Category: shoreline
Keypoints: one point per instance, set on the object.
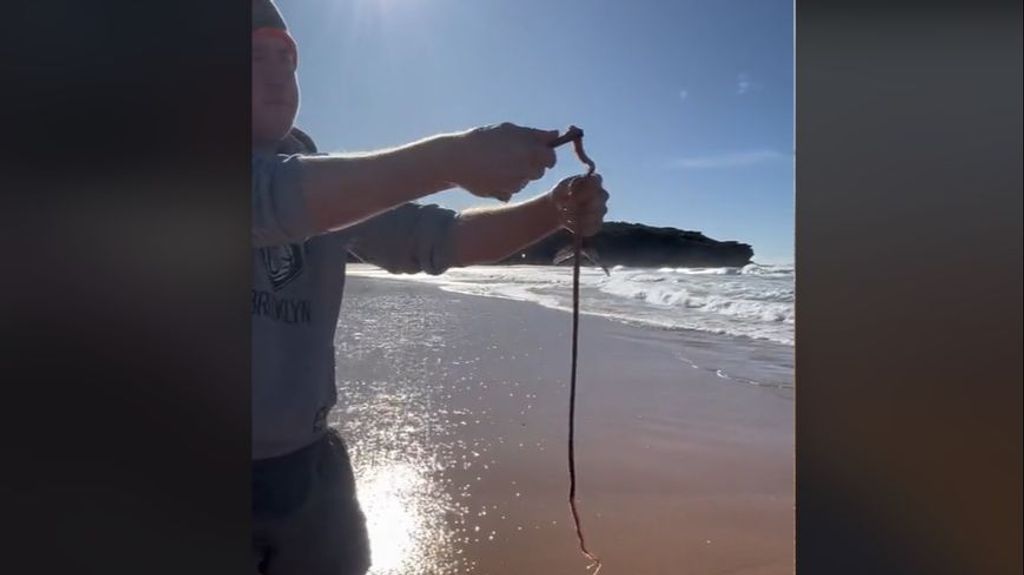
(729, 305)
(780, 353)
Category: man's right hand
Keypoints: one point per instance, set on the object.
(498, 161)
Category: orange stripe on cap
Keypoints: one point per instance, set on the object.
(279, 33)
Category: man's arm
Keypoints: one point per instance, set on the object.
(301, 196)
(489, 235)
(344, 190)
(409, 239)
(416, 238)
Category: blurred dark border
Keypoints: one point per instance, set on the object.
(125, 350)
(125, 287)
(908, 249)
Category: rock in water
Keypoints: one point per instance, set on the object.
(639, 245)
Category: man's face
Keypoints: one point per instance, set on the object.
(275, 90)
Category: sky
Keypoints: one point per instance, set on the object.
(686, 105)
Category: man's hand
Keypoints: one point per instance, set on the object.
(498, 161)
(581, 203)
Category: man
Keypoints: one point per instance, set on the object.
(308, 211)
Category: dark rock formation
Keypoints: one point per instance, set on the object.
(638, 245)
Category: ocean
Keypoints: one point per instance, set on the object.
(755, 301)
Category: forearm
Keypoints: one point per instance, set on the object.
(342, 190)
(488, 235)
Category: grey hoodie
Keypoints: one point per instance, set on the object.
(297, 282)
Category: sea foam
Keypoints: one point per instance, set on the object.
(754, 301)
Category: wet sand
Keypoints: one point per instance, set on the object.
(455, 409)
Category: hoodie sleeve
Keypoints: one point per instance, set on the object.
(411, 238)
(279, 211)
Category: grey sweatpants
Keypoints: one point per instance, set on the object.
(306, 518)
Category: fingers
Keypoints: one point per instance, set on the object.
(535, 135)
(582, 204)
(506, 157)
(587, 225)
(544, 157)
(540, 156)
(505, 193)
(586, 186)
(590, 220)
(581, 187)
(543, 136)
(562, 191)
(593, 181)
(591, 205)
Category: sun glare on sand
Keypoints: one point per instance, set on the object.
(405, 520)
(388, 498)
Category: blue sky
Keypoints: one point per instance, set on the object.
(687, 105)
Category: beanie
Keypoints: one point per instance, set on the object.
(266, 15)
(267, 19)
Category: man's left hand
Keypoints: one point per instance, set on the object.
(582, 203)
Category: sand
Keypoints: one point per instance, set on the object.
(455, 409)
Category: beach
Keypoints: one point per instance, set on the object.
(455, 410)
